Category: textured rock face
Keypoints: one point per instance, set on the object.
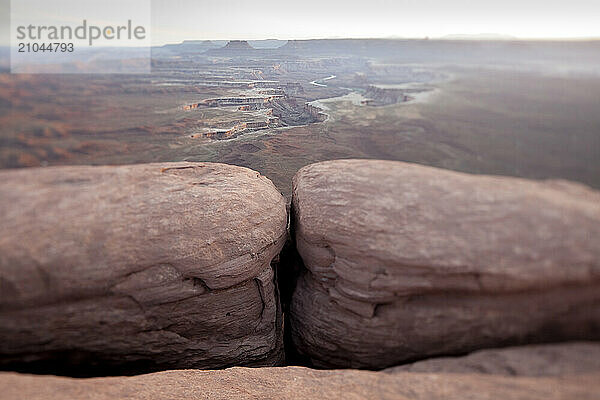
(298, 383)
(139, 267)
(405, 261)
(534, 360)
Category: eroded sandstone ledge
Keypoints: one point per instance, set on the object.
(557, 359)
(139, 268)
(299, 383)
(405, 262)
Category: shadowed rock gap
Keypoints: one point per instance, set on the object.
(288, 269)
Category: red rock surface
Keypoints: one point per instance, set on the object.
(534, 360)
(405, 261)
(298, 383)
(139, 268)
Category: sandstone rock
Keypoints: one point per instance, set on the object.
(533, 360)
(139, 268)
(405, 261)
(298, 383)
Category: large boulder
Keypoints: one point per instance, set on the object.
(138, 268)
(299, 383)
(558, 359)
(404, 261)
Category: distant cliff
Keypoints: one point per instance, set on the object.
(233, 47)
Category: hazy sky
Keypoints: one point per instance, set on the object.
(176, 20)
(241, 19)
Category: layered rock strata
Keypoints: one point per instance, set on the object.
(139, 268)
(403, 262)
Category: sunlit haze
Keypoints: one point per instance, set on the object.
(175, 21)
(185, 19)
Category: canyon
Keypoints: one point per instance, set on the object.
(362, 112)
(189, 224)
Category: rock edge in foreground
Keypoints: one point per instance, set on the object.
(139, 268)
(405, 262)
(289, 383)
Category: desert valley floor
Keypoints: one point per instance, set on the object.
(525, 109)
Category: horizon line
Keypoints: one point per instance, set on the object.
(450, 37)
